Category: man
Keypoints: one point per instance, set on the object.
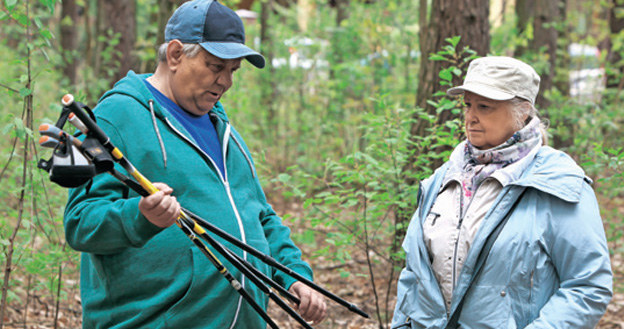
(139, 272)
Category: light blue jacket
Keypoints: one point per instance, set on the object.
(549, 267)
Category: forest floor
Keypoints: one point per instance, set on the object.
(355, 288)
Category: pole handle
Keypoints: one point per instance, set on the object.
(47, 141)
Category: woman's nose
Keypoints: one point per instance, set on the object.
(469, 115)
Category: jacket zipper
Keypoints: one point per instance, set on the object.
(253, 172)
(531, 287)
(226, 184)
(462, 214)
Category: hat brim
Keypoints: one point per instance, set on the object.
(481, 90)
(230, 50)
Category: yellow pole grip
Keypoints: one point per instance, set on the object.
(144, 182)
(117, 153)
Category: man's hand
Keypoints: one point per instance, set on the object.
(160, 208)
(312, 305)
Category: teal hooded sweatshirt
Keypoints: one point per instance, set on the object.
(137, 275)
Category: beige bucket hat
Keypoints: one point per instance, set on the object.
(499, 78)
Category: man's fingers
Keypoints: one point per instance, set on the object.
(304, 302)
(164, 188)
(316, 310)
(174, 209)
(160, 208)
(150, 202)
(321, 309)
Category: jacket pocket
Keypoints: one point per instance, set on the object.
(488, 307)
(185, 298)
(421, 307)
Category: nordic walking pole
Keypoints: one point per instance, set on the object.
(272, 262)
(230, 256)
(268, 280)
(93, 128)
(82, 128)
(96, 131)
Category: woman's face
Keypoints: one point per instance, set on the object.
(488, 122)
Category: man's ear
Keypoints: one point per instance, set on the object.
(174, 54)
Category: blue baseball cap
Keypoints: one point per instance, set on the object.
(215, 27)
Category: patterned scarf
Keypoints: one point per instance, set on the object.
(480, 164)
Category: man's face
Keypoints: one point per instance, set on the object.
(199, 82)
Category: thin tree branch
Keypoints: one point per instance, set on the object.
(9, 88)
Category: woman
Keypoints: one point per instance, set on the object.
(508, 232)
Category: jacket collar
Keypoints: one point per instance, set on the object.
(555, 173)
(550, 171)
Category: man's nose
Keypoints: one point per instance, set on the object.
(224, 79)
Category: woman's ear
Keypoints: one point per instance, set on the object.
(174, 54)
(526, 111)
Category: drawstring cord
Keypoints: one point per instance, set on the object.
(162, 144)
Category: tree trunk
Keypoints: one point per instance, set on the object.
(165, 10)
(545, 40)
(245, 4)
(616, 24)
(525, 10)
(341, 14)
(269, 86)
(69, 39)
(120, 17)
(562, 79)
(448, 18)
(89, 28)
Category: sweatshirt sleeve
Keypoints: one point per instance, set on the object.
(102, 220)
(578, 249)
(283, 249)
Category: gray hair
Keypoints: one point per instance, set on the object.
(520, 107)
(189, 49)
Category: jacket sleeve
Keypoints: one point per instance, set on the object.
(283, 249)
(577, 246)
(407, 279)
(102, 220)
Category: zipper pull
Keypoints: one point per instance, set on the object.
(435, 217)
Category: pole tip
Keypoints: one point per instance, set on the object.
(358, 311)
(67, 100)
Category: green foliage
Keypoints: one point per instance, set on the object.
(366, 197)
(328, 122)
(31, 238)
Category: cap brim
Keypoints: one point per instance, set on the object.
(230, 50)
(481, 90)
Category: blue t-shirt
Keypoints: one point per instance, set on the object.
(200, 127)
